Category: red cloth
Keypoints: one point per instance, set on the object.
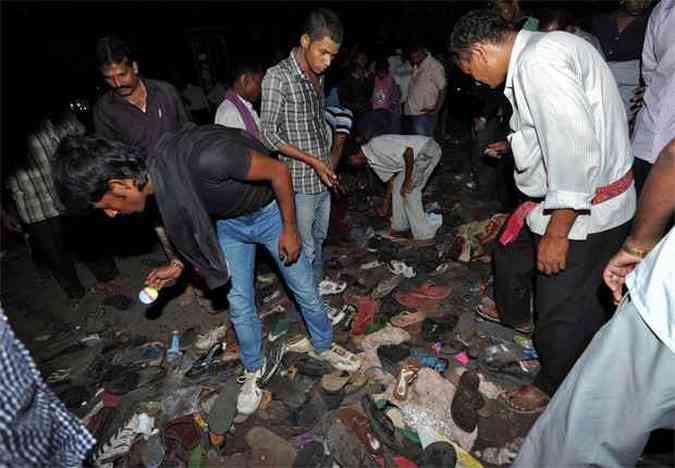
(516, 221)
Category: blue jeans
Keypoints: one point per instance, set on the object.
(313, 217)
(238, 238)
(420, 124)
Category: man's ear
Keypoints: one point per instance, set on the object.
(134, 66)
(305, 41)
(479, 52)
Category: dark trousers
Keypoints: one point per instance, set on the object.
(641, 169)
(51, 238)
(570, 306)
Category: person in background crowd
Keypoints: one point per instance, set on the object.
(136, 110)
(401, 70)
(197, 176)
(356, 89)
(512, 13)
(561, 19)
(386, 93)
(626, 373)
(621, 34)
(655, 122)
(570, 145)
(426, 92)
(44, 218)
(293, 122)
(237, 110)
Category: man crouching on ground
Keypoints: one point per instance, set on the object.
(199, 175)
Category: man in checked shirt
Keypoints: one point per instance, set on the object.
(293, 122)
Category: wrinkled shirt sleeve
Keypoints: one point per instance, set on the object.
(561, 115)
(271, 109)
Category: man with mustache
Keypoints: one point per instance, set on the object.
(136, 110)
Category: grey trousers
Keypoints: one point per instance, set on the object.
(408, 212)
(620, 389)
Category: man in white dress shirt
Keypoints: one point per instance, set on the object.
(572, 155)
(237, 110)
(622, 387)
(655, 124)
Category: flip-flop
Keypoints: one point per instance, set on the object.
(416, 302)
(407, 318)
(328, 287)
(487, 310)
(524, 391)
(224, 409)
(467, 401)
(367, 308)
(358, 423)
(334, 381)
(430, 290)
(406, 376)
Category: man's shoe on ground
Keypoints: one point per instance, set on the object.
(250, 394)
(339, 358)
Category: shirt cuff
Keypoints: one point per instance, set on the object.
(560, 199)
(272, 140)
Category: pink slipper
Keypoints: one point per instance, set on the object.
(430, 290)
(407, 318)
(417, 302)
(366, 309)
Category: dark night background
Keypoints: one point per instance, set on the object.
(48, 47)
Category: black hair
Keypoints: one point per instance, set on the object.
(477, 26)
(416, 44)
(83, 166)
(321, 23)
(246, 68)
(381, 63)
(562, 16)
(111, 49)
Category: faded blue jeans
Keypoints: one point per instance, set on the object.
(238, 238)
(313, 217)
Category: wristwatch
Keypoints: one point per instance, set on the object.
(177, 263)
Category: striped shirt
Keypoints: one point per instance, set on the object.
(31, 185)
(36, 429)
(293, 112)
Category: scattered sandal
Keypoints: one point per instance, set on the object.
(487, 310)
(406, 376)
(328, 287)
(430, 290)
(527, 399)
(359, 424)
(407, 318)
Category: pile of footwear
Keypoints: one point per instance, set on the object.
(423, 391)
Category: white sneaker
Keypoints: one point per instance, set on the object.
(250, 394)
(206, 341)
(299, 344)
(339, 358)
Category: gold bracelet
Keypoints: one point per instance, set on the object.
(634, 251)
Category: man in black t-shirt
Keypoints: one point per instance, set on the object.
(198, 175)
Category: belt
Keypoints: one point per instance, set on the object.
(516, 221)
